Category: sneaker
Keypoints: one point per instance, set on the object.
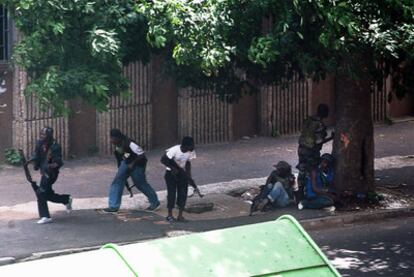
(44, 220)
(153, 207)
(110, 210)
(170, 218)
(330, 209)
(300, 206)
(69, 205)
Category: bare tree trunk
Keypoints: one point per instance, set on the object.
(354, 140)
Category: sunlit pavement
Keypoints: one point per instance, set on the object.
(382, 248)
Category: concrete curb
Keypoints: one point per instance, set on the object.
(349, 219)
(7, 260)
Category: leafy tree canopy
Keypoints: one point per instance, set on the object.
(236, 41)
(76, 48)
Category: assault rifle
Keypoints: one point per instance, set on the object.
(195, 187)
(129, 188)
(29, 178)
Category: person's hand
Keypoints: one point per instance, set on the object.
(197, 190)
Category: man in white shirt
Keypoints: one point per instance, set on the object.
(178, 175)
(131, 162)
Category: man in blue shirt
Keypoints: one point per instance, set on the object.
(319, 186)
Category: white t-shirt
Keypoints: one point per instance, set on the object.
(175, 153)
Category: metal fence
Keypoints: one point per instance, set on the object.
(379, 101)
(132, 115)
(29, 119)
(202, 115)
(284, 107)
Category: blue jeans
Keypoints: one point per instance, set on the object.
(317, 202)
(140, 181)
(278, 196)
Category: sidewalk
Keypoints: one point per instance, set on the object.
(219, 169)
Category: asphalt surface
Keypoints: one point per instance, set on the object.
(382, 248)
(243, 159)
(87, 228)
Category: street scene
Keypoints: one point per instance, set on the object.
(178, 138)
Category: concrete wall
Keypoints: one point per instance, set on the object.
(82, 126)
(165, 108)
(246, 116)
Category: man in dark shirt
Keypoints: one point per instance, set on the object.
(48, 159)
(131, 163)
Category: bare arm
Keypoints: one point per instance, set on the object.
(188, 174)
(191, 180)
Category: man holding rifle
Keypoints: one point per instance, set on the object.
(131, 163)
(48, 159)
(178, 176)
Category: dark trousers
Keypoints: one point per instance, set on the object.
(177, 188)
(45, 193)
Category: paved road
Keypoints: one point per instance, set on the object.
(242, 159)
(383, 248)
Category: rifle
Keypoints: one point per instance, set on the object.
(35, 187)
(129, 188)
(195, 187)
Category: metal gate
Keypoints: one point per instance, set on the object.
(284, 107)
(132, 115)
(379, 101)
(205, 117)
(29, 119)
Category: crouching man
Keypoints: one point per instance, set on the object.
(278, 190)
(319, 191)
(131, 163)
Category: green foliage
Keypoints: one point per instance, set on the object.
(13, 157)
(196, 31)
(76, 48)
(269, 40)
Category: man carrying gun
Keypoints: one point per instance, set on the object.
(178, 176)
(48, 159)
(132, 163)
